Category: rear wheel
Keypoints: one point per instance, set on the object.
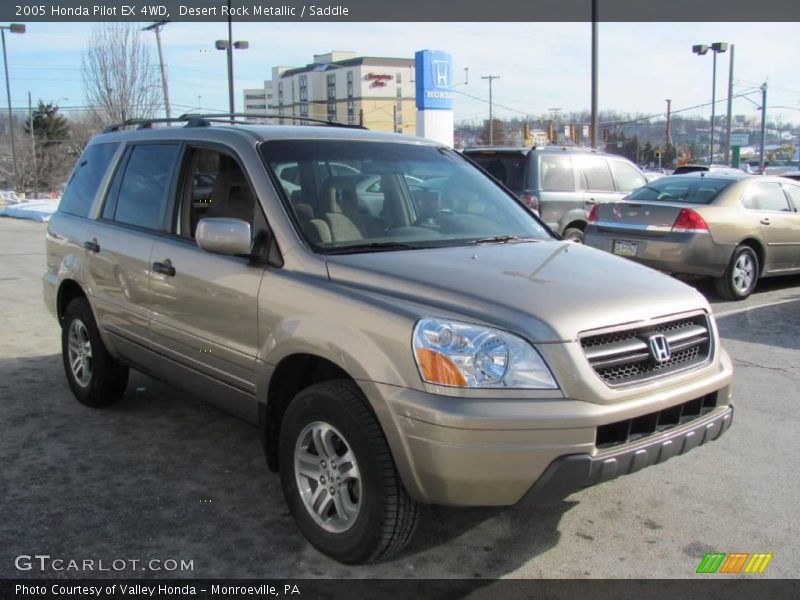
(573, 234)
(94, 376)
(741, 276)
(338, 476)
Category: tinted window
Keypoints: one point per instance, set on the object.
(597, 174)
(507, 168)
(794, 194)
(626, 176)
(766, 196)
(145, 185)
(693, 190)
(556, 173)
(86, 178)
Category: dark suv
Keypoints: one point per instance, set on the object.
(560, 183)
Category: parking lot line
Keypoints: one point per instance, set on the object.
(736, 311)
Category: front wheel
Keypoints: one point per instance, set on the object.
(339, 478)
(741, 276)
(573, 234)
(94, 376)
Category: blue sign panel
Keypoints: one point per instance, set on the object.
(434, 80)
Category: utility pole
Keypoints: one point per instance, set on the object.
(156, 27)
(730, 109)
(33, 147)
(763, 125)
(668, 132)
(491, 78)
(593, 126)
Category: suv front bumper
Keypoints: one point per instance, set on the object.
(470, 451)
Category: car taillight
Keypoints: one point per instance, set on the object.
(530, 201)
(593, 213)
(689, 221)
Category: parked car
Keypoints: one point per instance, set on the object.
(560, 183)
(794, 175)
(684, 169)
(735, 228)
(455, 353)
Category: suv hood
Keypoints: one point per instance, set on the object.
(546, 291)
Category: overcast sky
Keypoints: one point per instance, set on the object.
(541, 65)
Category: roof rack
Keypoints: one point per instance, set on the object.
(205, 120)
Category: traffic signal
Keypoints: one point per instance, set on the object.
(606, 135)
(551, 133)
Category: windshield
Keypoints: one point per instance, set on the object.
(692, 190)
(357, 196)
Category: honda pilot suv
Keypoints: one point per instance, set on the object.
(561, 184)
(402, 329)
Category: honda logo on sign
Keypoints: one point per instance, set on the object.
(442, 73)
(659, 348)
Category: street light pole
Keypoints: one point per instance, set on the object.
(763, 125)
(156, 27)
(594, 75)
(228, 45)
(13, 28)
(729, 109)
(491, 121)
(716, 48)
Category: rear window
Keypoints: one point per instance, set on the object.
(507, 168)
(692, 190)
(82, 188)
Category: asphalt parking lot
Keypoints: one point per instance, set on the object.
(162, 475)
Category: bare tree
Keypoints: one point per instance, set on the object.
(119, 79)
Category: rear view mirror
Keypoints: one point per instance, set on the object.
(224, 236)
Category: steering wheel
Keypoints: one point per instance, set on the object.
(432, 216)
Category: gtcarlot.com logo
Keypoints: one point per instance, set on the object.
(735, 562)
(45, 562)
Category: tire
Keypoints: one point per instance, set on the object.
(380, 515)
(573, 234)
(741, 276)
(99, 380)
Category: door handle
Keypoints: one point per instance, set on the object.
(92, 246)
(165, 268)
(765, 221)
(591, 201)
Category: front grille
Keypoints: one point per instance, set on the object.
(624, 356)
(631, 430)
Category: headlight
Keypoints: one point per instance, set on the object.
(465, 355)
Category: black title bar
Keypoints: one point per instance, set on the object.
(400, 10)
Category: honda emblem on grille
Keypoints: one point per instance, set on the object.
(659, 348)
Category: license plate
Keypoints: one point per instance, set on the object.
(625, 248)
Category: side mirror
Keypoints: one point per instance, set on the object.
(224, 236)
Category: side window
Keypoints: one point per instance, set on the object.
(144, 188)
(556, 173)
(769, 197)
(82, 187)
(626, 176)
(793, 191)
(597, 174)
(214, 186)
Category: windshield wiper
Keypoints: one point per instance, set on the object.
(504, 239)
(374, 247)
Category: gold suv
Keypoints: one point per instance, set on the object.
(400, 326)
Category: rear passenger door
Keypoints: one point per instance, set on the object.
(596, 181)
(205, 305)
(118, 261)
(557, 196)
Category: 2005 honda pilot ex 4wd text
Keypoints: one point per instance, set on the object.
(402, 329)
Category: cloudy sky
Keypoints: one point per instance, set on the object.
(541, 65)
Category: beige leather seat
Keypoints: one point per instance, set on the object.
(339, 199)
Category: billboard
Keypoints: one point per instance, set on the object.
(434, 80)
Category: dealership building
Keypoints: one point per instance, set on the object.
(378, 93)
